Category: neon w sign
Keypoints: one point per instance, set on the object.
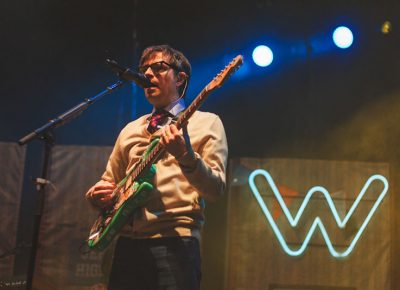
(317, 222)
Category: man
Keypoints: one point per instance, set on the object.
(159, 249)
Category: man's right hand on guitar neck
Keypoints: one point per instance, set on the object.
(100, 195)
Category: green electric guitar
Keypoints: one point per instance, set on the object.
(134, 190)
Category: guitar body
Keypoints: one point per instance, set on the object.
(111, 221)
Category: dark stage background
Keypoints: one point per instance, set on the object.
(315, 101)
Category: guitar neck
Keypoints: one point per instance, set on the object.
(194, 106)
(151, 158)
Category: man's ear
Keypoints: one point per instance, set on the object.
(181, 78)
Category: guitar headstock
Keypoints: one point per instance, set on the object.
(225, 73)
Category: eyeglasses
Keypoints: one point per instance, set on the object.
(157, 67)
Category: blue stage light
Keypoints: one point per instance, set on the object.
(262, 55)
(342, 37)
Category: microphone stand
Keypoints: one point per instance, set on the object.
(45, 134)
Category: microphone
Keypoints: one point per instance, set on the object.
(126, 74)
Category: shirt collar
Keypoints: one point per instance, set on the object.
(175, 107)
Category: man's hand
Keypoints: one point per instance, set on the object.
(173, 141)
(101, 193)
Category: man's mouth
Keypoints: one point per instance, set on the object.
(151, 90)
(154, 86)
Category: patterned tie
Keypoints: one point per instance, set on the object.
(157, 118)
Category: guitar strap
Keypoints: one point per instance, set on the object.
(185, 134)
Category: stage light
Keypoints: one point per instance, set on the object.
(386, 27)
(342, 37)
(263, 56)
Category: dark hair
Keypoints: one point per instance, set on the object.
(177, 60)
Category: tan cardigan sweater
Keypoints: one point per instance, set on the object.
(177, 204)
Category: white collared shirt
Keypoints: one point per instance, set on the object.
(173, 108)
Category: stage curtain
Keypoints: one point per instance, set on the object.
(63, 262)
(12, 159)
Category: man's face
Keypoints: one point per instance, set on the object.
(158, 71)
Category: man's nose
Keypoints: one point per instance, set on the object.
(149, 73)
